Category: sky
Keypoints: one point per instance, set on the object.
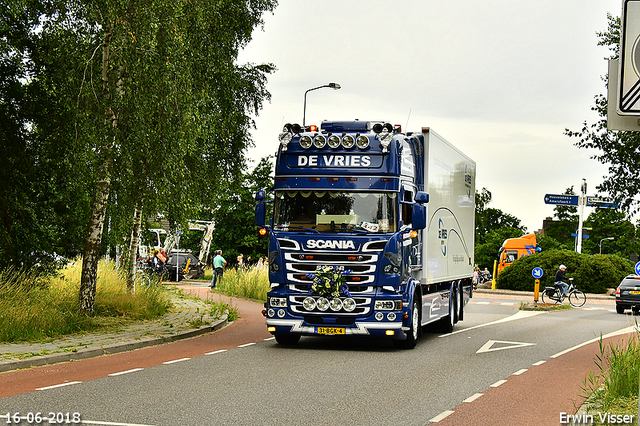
(500, 79)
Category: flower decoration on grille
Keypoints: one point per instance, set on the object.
(329, 281)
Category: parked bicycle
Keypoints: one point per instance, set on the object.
(576, 297)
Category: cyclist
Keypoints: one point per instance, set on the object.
(560, 276)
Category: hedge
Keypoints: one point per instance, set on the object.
(591, 273)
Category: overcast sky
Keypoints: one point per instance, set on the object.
(500, 79)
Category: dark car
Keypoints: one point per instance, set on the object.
(190, 267)
(628, 294)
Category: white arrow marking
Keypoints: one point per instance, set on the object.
(487, 347)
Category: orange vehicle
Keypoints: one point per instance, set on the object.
(515, 248)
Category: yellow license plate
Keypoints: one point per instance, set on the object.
(634, 292)
(330, 330)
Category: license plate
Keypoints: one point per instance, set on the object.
(634, 292)
(330, 330)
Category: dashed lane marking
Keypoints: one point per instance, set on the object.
(246, 344)
(216, 352)
(519, 372)
(133, 370)
(58, 386)
(473, 397)
(498, 383)
(441, 416)
(176, 360)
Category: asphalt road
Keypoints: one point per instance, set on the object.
(498, 367)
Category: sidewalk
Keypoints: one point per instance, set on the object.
(179, 324)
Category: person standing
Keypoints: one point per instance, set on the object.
(218, 268)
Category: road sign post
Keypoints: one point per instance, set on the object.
(537, 273)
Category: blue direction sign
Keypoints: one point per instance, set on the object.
(638, 268)
(537, 272)
(601, 202)
(561, 199)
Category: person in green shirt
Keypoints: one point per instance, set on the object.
(218, 268)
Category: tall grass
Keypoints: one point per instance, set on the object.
(36, 308)
(250, 284)
(614, 388)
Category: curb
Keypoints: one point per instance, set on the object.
(38, 361)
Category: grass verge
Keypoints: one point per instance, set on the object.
(33, 308)
(614, 387)
(248, 284)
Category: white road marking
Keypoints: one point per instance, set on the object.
(246, 344)
(519, 372)
(612, 334)
(98, 422)
(473, 397)
(125, 372)
(518, 315)
(441, 416)
(539, 362)
(487, 347)
(176, 360)
(498, 383)
(216, 352)
(58, 386)
(270, 338)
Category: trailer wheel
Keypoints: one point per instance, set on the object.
(287, 339)
(414, 331)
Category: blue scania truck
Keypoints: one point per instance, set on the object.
(372, 232)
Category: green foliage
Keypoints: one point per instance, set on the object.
(34, 308)
(614, 387)
(591, 273)
(249, 284)
(619, 150)
(235, 230)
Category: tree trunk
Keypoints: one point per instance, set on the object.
(133, 248)
(91, 253)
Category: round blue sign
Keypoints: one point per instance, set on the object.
(638, 268)
(538, 272)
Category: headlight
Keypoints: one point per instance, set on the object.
(348, 142)
(284, 139)
(309, 303)
(335, 304)
(349, 304)
(319, 141)
(362, 142)
(305, 142)
(278, 302)
(322, 303)
(334, 142)
(385, 140)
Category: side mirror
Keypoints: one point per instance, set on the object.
(419, 215)
(261, 214)
(421, 197)
(260, 195)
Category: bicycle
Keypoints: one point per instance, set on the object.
(576, 297)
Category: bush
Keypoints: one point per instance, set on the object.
(591, 273)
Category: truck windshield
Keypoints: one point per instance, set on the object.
(331, 211)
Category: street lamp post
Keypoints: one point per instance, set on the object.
(334, 86)
(608, 238)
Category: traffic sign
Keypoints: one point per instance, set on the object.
(563, 200)
(638, 268)
(629, 80)
(537, 272)
(600, 202)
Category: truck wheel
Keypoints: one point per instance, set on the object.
(414, 331)
(446, 324)
(287, 339)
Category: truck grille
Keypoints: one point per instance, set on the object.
(362, 267)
